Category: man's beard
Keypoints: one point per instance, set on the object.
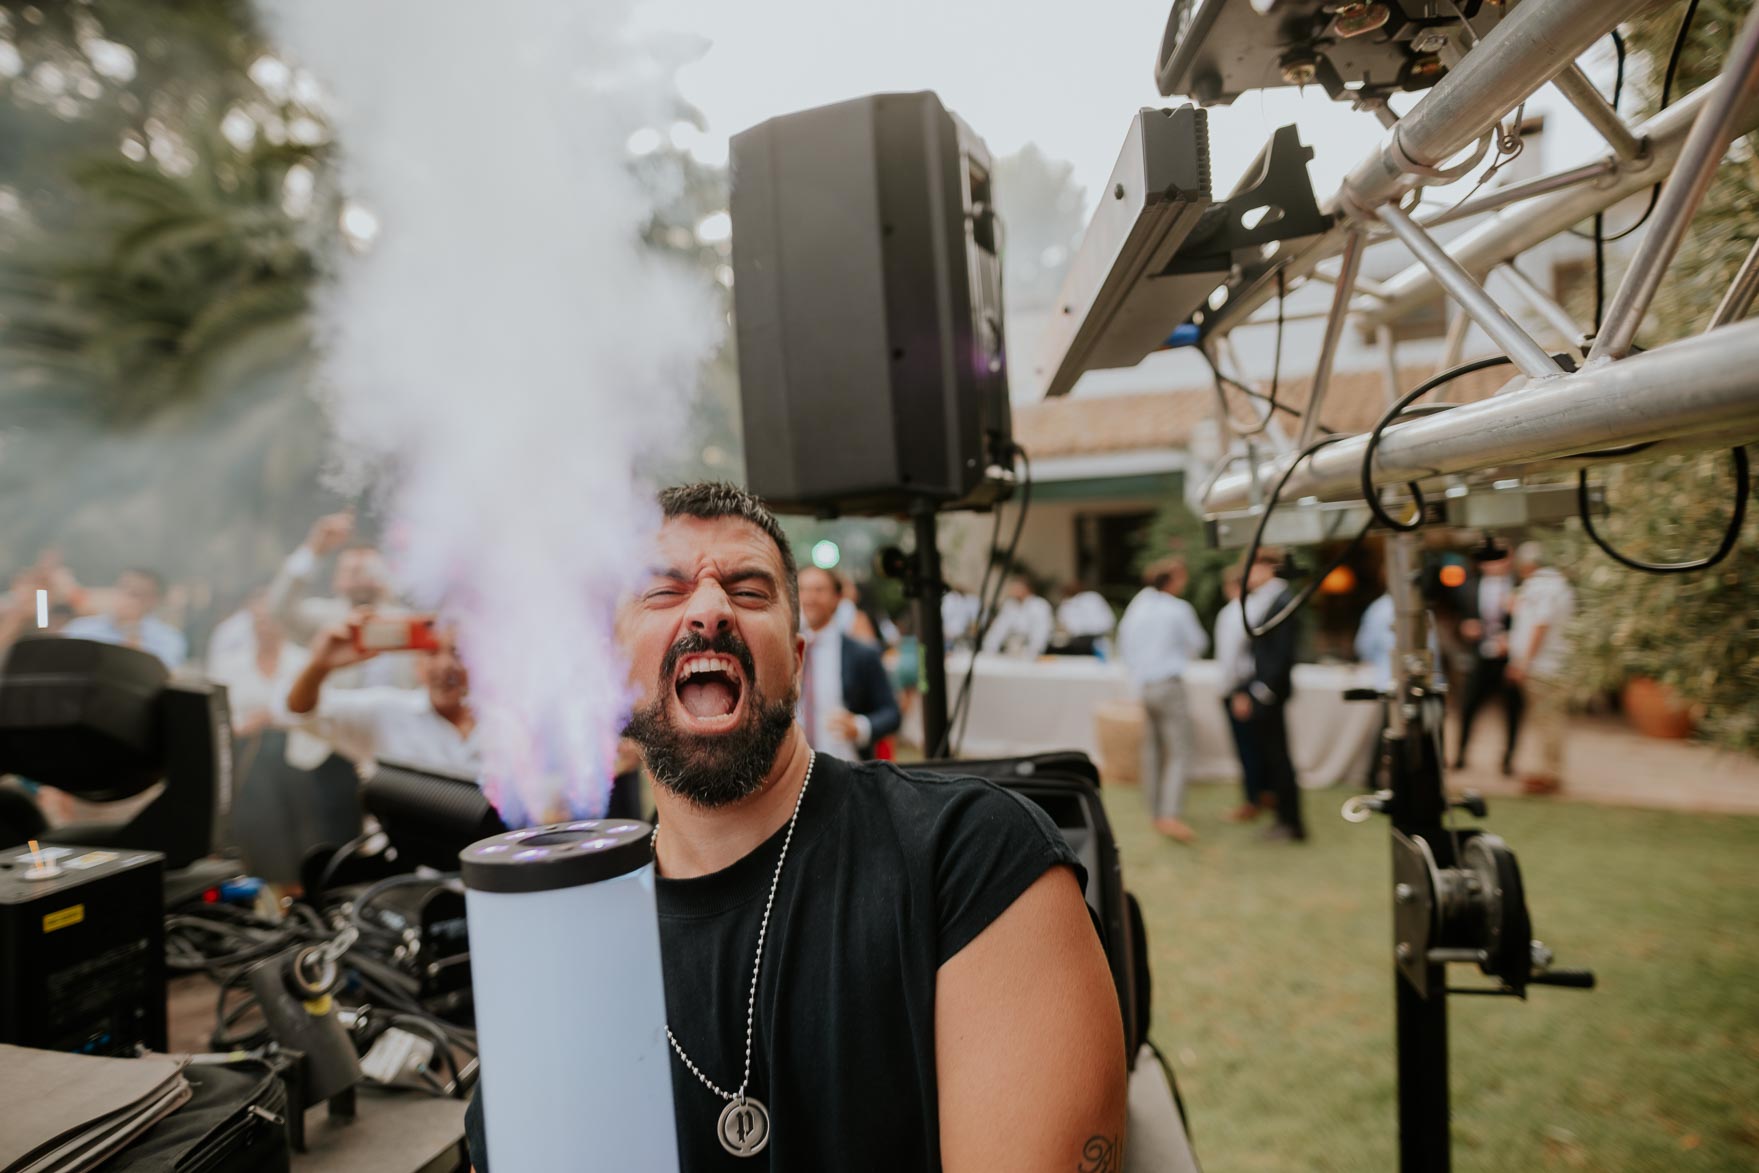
(712, 770)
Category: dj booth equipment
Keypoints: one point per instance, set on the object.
(105, 722)
(82, 953)
(868, 307)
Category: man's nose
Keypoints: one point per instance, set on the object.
(710, 611)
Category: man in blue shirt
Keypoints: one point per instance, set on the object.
(131, 621)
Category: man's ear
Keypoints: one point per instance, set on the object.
(799, 654)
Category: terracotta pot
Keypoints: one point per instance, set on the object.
(1652, 709)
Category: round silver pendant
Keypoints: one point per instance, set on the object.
(744, 1127)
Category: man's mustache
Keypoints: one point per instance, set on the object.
(695, 644)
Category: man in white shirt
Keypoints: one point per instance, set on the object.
(959, 613)
(1084, 614)
(360, 580)
(1158, 638)
(433, 727)
(846, 702)
(1539, 651)
(1024, 624)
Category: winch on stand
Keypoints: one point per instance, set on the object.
(1457, 892)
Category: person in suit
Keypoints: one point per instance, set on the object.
(846, 701)
(1261, 689)
(1232, 652)
(1485, 605)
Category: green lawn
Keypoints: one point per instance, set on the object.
(1273, 992)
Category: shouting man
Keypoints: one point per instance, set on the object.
(931, 992)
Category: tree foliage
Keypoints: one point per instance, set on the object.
(1692, 632)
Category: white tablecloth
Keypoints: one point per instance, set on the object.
(1030, 706)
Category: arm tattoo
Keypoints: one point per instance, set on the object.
(1102, 1154)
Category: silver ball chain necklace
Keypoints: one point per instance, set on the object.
(744, 1126)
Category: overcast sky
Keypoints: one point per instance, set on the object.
(1046, 71)
(1065, 76)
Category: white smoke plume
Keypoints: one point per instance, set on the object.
(506, 357)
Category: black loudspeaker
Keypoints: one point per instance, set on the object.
(867, 292)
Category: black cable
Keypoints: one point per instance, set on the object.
(1223, 380)
(989, 603)
(1599, 270)
(1276, 362)
(988, 606)
(1306, 592)
(1667, 80)
(1737, 517)
(337, 858)
(1370, 493)
(979, 629)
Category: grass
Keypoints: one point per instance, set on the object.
(1273, 992)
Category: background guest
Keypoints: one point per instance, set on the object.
(959, 613)
(846, 701)
(1484, 605)
(359, 580)
(130, 620)
(278, 814)
(1233, 654)
(1257, 697)
(1023, 625)
(1158, 637)
(433, 726)
(1538, 655)
(1084, 616)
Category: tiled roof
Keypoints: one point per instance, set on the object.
(1089, 425)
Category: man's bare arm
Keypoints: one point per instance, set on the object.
(1029, 1042)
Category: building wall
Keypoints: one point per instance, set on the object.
(1047, 544)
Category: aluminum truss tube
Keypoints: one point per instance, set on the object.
(1529, 357)
(1389, 354)
(1700, 387)
(1515, 230)
(1453, 346)
(1525, 190)
(1581, 93)
(1334, 333)
(1546, 306)
(1527, 48)
(1361, 284)
(1739, 298)
(1712, 130)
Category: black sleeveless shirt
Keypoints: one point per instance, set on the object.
(890, 874)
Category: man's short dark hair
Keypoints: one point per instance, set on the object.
(1164, 571)
(710, 500)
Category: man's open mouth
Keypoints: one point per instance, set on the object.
(709, 687)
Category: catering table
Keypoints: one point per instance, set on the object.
(1020, 706)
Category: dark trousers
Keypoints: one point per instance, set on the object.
(1488, 679)
(1269, 733)
(280, 813)
(1246, 749)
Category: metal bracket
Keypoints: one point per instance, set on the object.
(1277, 185)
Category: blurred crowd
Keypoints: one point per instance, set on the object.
(311, 705)
(327, 671)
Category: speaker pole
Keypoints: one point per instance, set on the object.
(928, 626)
